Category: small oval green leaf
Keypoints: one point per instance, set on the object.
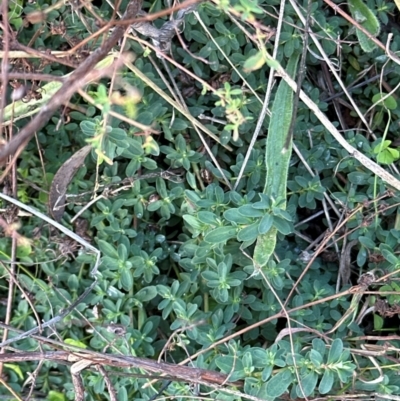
(220, 234)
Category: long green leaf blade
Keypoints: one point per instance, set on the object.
(277, 162)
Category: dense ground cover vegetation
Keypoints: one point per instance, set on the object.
(222, 246)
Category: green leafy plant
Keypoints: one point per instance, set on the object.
(262, 254)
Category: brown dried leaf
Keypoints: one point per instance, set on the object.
(36, 17)
(62, 179)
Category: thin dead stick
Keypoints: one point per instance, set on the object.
(83, 42)
(4, 62)
(60, 227)
(10, 164)
(186, 373)
(10, 389)
(34, 54)
(111, 390)
(22, 51)
(34, 76)
(5, 78)
(86, 358)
